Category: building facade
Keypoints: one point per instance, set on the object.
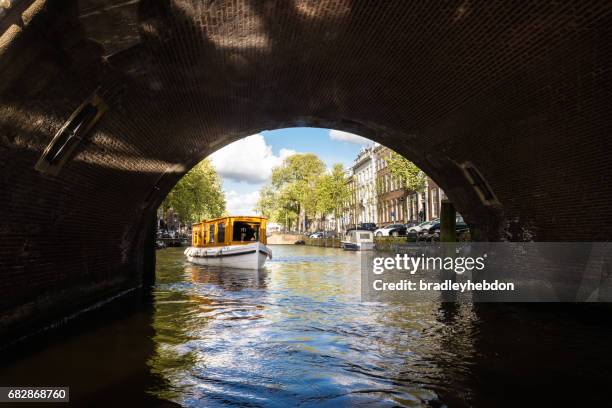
(379, 197)
(349, 211)
(391, 193)
(424, 205)
(364, 183)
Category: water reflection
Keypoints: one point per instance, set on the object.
(297, 333)
(102, 356)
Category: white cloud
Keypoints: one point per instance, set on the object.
(347, 137)
(241, 203)
(250, 160)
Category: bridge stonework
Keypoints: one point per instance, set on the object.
(520, 90)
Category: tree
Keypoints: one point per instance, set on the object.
(276, 206)
(197, 195)
(295, 180)
(300, 187)
(406, 172)
(267, 202)
(332, 192)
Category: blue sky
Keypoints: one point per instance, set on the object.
(317, 141)
(245, 166)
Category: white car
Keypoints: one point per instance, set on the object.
(423, 226)
(392, 230)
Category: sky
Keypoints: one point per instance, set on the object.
(245, 166)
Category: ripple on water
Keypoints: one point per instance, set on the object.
(294, 334)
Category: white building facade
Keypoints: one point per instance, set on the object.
(364, 176)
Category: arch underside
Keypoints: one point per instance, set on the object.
(519, 89)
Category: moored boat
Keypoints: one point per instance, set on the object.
(234, 242)
(358, 240)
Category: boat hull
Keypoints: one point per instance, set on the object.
(249, 256)
(359, 246)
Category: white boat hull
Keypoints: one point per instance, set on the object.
(248, 256)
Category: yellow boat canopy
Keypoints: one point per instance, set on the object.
(234, 230)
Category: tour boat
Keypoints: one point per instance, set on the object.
(358, 240)
(233, 242)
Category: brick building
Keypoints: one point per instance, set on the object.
(391, 194)
(379, 197)
(424, 205)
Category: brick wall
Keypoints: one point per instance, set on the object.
(520, 89)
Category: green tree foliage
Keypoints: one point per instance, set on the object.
(266, 205)
(299, 189)
(406, 172)
(296, 179)
(332, 192)
(197, 195)
(277, 206)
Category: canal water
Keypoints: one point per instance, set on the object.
(297, 334)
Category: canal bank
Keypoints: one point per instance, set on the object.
(381, 243)
(297, 333)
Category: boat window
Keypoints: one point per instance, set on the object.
(364, 236)
(221, 232)
(211, 233)
(245, 231)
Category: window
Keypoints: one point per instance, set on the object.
(197, 235)
(435, 205)
(221, 232)
(211, 233)
(245, 232)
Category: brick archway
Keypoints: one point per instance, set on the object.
(520, 90)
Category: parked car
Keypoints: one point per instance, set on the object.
(424, 225)
(392, 230)
(369, 226)
(330, 234)
(411, 224)
(433, 232)
(317, 235)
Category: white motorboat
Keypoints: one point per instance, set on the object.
(358, 240)
(247, 256)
